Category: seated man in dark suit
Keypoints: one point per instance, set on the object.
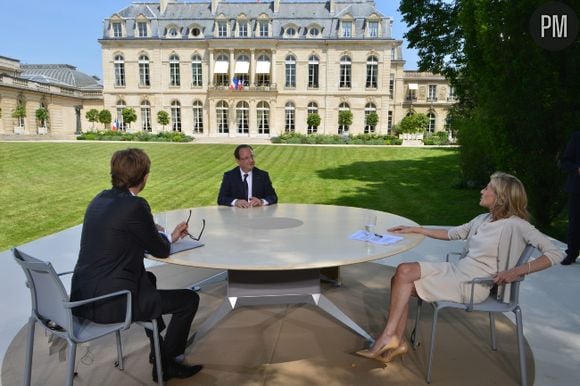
(246, 186)
(117, 230)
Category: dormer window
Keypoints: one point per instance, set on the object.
(172, 32)
(264, 29)
(222, 29)
(243, 29)
(117, 30)
(142, 29)
(195, 32)
(346, 29)
(313, 32)
(373, 29)
(290, 32)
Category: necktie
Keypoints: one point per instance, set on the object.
(245, 186)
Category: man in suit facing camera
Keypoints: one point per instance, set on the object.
(246, 186)
(118, 229)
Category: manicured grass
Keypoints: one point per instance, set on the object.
(47, 186)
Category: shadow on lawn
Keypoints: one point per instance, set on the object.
(422, 189)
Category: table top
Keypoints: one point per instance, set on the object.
(283, 237)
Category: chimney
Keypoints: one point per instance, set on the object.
(276, 6)
(214, 5)
(331, 6)
(163, 5)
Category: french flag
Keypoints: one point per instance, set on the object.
(115, 125)
(234, 84)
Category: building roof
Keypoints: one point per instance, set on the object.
(60, 74)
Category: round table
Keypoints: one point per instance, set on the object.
(274, 254)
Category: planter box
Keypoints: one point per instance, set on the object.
(19, 130)
(42, 130)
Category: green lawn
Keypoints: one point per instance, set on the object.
(47, 186)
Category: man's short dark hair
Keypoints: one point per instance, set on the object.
(129, 168)
(240, 147)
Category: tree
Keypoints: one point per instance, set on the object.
(105, 118)
(344, 121)
(19, 113)
(313, 121)
(129, 115)
(163, 118)
(515, 98)
(41, 114)
(372, 119)
(92, 116)
(413, 123)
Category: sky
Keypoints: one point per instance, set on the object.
(67, 31)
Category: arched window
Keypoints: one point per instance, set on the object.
(312, 109)
(369, 108)
(345, 72)
(144, 80)
(222, 110)
(372, 72)
(145, 116)
(263, 112)
(432, 122)
(243, 117)
(289, 118)
(197, 117)
(196, 77)
(20, 111)
(313, 63)
(174, 75)
(176, 116)
(263, 71)
(119, 71)
(118, 124)
(343, 107)
(290, 71)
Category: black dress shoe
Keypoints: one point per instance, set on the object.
(177, 370)
(568, 260)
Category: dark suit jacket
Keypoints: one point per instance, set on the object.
(570, 162)
(232, 187)
(117, 230)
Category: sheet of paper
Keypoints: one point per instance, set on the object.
(375, 238)
(184, 245)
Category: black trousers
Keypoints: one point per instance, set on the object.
(182, 304)
(573, 225)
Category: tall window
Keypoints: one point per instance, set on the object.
(390, 120)
(196, 78)
(197, 117)
(241, 72)
(118, 123)
(369, 108)
(313, 71)
(117, 30)
(290, 71)
(144, 79)
(21, 104)
(243, 29)
(312, 109)
(289, 118)
(221, 77)
(347, 29)
(263, 118)
(345, 72)
(119, 71)
(222, 28)
(222, 117)
(142, 29)
(145, 116)
(243, 117)
(432, 122)
(343, 129)
(372, 72)
(451, 96)
(432, 97)
(264, 29)
(263, 71)
(175, 116)
(392, 86)
(373, 29)
(174, 75)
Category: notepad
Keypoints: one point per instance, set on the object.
(184, 245)
(375, 238)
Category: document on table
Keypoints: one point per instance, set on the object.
(184, 245)
(374, 238)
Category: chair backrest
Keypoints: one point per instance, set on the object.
(515, 286)
(46, 290)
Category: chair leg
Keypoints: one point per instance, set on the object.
(71, 353)
(158, 362)
(414, 334)
(432, 345)
(520, 332)
(119, 351)
(492, 331)
(29, 350)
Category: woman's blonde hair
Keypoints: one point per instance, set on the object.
(511, 198)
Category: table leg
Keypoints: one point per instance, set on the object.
(221, 276)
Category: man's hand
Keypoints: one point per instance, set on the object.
(242, 204)
(254, 201)
(180, 231)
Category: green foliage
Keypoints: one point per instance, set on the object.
(143, 136)
(163, 118)
(414, 123)
(19, 111)
(334, 139)
(313, 120)
(129, 115)
(92, 116)
(41, 115)
(372, 119)
(517, 104)
(439, 138)
(105, 118)
(345, 118)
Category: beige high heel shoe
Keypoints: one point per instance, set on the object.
(401, 351)
(393, 344)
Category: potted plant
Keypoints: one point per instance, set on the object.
(163, 118)
(313, 121)
(344, 121)
(41, 114)
(372, 120)
(19, 114)
(129, 116)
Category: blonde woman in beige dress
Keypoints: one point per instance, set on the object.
(494, 242)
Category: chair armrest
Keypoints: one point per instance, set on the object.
(447, 256)
(127, 293)
(477, 280)
(65, 273)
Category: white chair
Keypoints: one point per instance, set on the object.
(491, 305)
(51, 308)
